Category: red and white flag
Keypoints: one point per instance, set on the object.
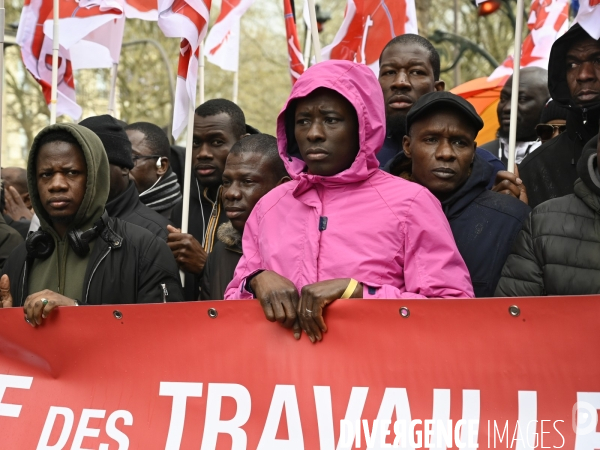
(588, 17)
(548, 20)
(141, 9)
(368, 26)
(223, 40)
(188, 20)
(101, 48)
(293, 44)
(36, 51)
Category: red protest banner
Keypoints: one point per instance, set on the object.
(170, 376)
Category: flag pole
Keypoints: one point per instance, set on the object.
(307, 50)
(113, 89)
(236, 81)
(201, 75)
(514, 98)
(187, 172)
(55, 48)
(314, 30)
(2, 23)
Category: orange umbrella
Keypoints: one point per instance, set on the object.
(484, 95)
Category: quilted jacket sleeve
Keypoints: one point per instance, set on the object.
(522, 275)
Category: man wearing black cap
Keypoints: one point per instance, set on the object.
(439, 153)
(123, 199)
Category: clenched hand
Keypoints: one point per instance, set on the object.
(187, 251)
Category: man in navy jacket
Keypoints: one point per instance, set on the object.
(439, 153)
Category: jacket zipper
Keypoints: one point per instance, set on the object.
(23, 285)
(87, 291)
(584, 115)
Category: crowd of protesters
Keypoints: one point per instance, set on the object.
(373, 188)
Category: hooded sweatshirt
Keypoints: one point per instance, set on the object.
(551, 170)
(64, 265)
(363, 223)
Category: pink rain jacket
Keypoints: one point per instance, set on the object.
(388, 233)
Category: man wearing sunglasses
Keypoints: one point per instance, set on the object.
(552, 123)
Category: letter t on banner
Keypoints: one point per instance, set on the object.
(180, 392)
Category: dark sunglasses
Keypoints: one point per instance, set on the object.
(546, 130)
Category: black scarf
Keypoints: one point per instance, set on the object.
(163, 195)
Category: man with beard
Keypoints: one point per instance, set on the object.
(218, 124)
(533, 96)
(409, 67)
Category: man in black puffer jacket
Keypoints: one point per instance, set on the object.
(558, 250)
(80, 255)
(439, 153)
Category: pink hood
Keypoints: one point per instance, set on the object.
(388, 233)
(357, 83)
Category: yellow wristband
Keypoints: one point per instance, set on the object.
(350, 289)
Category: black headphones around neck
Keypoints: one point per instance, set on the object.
(40, 243)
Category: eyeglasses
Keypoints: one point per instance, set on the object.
(136, 158)
(547, 130)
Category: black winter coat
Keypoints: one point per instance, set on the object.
(205, 216)
(129, 207)
(221, 263)
(558, 251)
(551, 170)
(127, 264)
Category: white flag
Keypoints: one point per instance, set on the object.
(588, 17)
(223, 40)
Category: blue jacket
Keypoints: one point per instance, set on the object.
(485, 224)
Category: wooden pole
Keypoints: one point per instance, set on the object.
(514, 99)
(55, 49)
(2, 23)
(236, 81)
(314, 30)
(113, 89)
(187, 173)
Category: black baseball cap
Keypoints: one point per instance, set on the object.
(434, 100)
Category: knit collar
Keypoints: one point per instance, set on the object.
(164, 194)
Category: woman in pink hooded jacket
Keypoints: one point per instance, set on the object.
(342, 228)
